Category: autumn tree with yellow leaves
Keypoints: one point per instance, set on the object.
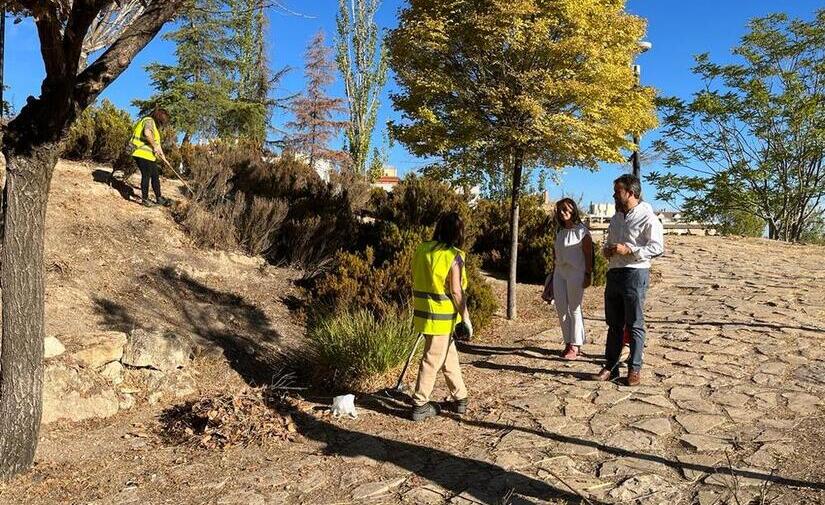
(519, 84)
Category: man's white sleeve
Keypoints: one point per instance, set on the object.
(654, 245)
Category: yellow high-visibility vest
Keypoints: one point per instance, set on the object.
(433, 310)
(142, 148)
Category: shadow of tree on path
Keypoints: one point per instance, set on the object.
(394, 409)
(482, 481)
(487, 350)
(530, 370)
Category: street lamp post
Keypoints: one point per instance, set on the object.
(637, 71)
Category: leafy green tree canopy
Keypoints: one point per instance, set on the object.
(753, 138)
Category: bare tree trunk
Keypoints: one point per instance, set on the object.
(518, 161)
(21, 355)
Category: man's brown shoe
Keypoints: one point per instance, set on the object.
(605, 375)
(634, 378)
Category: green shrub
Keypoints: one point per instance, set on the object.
(481, 301)
(741, 223)
(536, 237)
(101, 134)
(359, 280)
(600, 266)
(357, 351)
(417, 203)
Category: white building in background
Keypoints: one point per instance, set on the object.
(389, 179)
(601, 212)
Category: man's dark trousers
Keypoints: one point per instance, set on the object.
(624, 303)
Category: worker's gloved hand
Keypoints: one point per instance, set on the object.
(463, 331)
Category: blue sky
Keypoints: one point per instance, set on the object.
(678, 30)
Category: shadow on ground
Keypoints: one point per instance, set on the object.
(482, 481)
(486, 350)
(390, 407)
(174, 301)
(124, 188)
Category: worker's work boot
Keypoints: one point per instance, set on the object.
(458, 406)
(147, 203)
(421, 412)
(634, 377)
(163, 201)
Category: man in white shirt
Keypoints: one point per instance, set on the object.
(634, 237)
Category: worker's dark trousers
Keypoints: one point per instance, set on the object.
(148, 172)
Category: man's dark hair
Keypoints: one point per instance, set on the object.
(450, 230)
(630, 183)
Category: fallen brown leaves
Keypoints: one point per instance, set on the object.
(253, 417)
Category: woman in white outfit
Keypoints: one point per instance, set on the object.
(572, 273)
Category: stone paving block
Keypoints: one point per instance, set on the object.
(702, 406)
(634, 408)
(685, 393)
(743, 477)
(657, 400)
(521, 439)
(705, 443)
(538, 404)
(633, 441)
(425, 495)
(579, 409)
(510, 460)
(553, 424)
(604, 423)
(611, 397)
(696, 466)
(802, 403)
(769, 455)
(659, 426)
(648, 489)
(576, 449)
(730, 399)
(742, 416)
(773, 368)
(630, 466)
(699, 423)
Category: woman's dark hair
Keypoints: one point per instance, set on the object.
(450, 230)
(575, 212)
(160, 115)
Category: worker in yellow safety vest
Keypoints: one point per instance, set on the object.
(439, 310)
(147, 151)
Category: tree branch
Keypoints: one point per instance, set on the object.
(48, 30)
(120, 54)
(80, 20)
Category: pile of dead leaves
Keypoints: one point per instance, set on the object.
(254, 417)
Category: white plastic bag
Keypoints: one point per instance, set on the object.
(344, 405)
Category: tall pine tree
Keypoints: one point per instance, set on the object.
(195, 89)
(250, 110)
(315, 125)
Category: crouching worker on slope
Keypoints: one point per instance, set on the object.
(147, 150)
(440, 307)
